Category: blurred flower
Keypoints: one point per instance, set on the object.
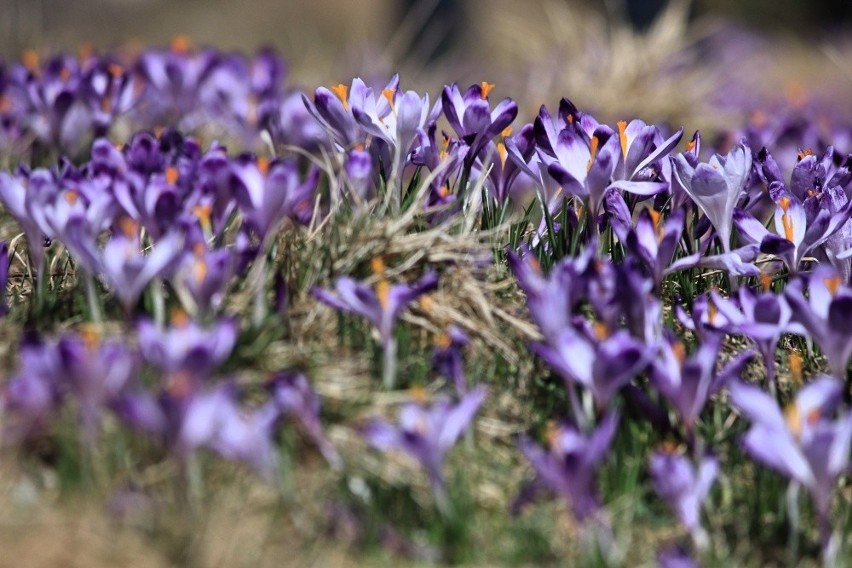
(569, 465)
(800, 442)
(427, 433)
(684, 488)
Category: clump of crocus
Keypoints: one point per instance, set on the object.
(381, 305)
(801, 442)
(426, 433)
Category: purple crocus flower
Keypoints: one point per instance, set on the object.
(24, 196)
(653, 241)
(800, 442)
(292, 394)
(568, 466)
(763, 317)
(268, 192)
(603, 364)
(684, 487)
(472, 118)
(214, 419)
(186, 347)
(128, 271)
(427, 433)
(797, 233)
(381, 306)
(716, 186)
(826, 315)
(689, 381)
(448, 358)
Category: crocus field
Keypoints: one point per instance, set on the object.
(246, 325)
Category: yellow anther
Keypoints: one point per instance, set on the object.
(129, 227)
(263, 165)
(832, 284)
(797, 367)
(593, 151)
(180, 44)
(383, 293)
(670, 447)
(200, 269)
(656, 217)
(765, 281)
(712, 312)
(444, 341)
(804, 154)
(786, 220)
(794, 419)
(690, 146)
(90, 335)
(444, 191)
(172, 175)
(342, 92)
(601, 330)
(534, 264)
(501, 151)
(179, 318)
(418, 394)
(389, 94)
(71, 196)
(30, 60)
(377, 265)
(758, 118)
(203, 213)
(622, 136)
(64, 74)
(486, 89)
(679, 351)
(506, 132)
(115, 70)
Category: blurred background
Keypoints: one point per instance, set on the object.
(675, 61)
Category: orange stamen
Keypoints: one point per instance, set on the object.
(377, 265)
(593, 151)
(71, 196)
(501, 151)
(106, 104)
(129, 227)
(426, 303)
(263, 165)
(115, 70)
(64, 74)
(200, 269)
(418, 394)
(383, 293)
(622, 136)
(793, 419)
(389, 94)
(601, 330)
(172, 175)
(832, 284)
(712, 312)
(679, 351)
(690, 146)
(5, 104)
(179, 384)
(180, 44)
(551, 433)
(765, 281)
(804, 154)
(342, 92)
(179, 318)
(90, 335)
(443, 341)
(444, 191)
(786, 220)
(813, 416)
(486, 89)
(30, 60)
(506, 132)
(797, 367)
